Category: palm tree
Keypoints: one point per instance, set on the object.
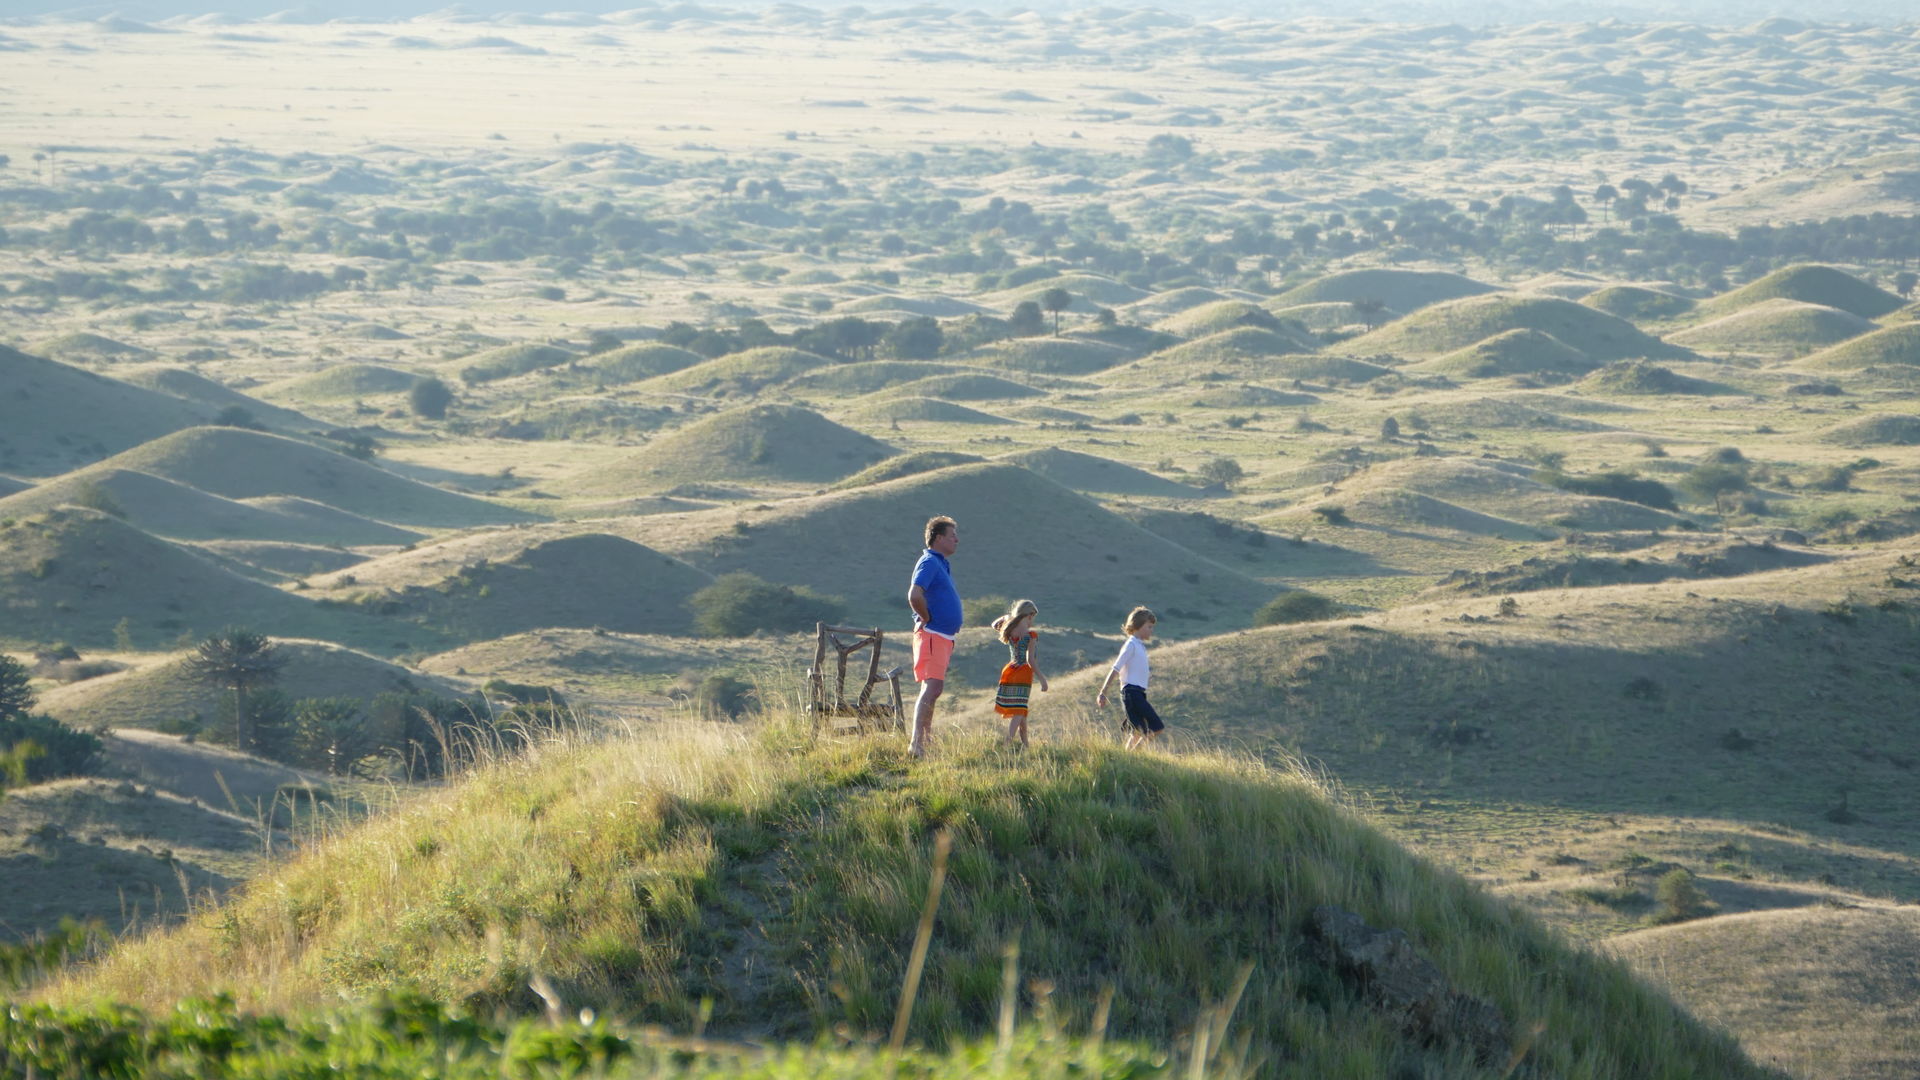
(1056, 300)
(240, 660)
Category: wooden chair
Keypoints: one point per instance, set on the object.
(832, 709)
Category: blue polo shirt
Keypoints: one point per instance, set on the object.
(934, 575)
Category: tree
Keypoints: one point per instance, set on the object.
(1605, 195)
(1714, 482)
(1026, 320)
(1056, 300)
(1222, 470)
(332, 734)
(430, 398)
(1904, 282)
(1169, 149)
(915, 339)
(1369, 309)
(1389, 428)
(16, 696)
(239, 660)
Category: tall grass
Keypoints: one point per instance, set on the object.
(773, 884)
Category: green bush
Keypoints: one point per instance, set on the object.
(739, 604)
(1680, 897)
(63, 751)
(1612, 485)
(430, 398)
(1295, 607)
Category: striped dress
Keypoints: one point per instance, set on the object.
(1016, 679)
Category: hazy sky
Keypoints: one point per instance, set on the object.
(1465, 11)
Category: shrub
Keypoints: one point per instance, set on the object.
(430, 398)
(1680, 897)
(16, 695)
(1221, 470)
(63, 751)
(1295, 607)
(738, 604)
(1331, 514)
(1612, 485)
(717, 693)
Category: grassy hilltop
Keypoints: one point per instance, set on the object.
(781, 879)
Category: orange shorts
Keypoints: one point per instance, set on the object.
(931, 654)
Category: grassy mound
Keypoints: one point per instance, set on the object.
(193, 387)
(81, 346)
(1776, 326)
(1218, 317)
(1242, 354)
(1496, 413)
(1502, 490)
(913, 464)
(1330, 316)
(1229, 346)
(508, 581)
(75, 575)
(243, 464)
(1872, 431)
(1515, 352)
(1456, 324)
(54, 417)
(1809, 284)
(1637, 303)
(759, 443)
(343, 382)
(178, 512)
(932, 307)
(278, 560)
(1643, 377)
(1684, 561)
(1086, 472)
(1050, 356)
(1088, 291)
(1160, 305)
(1249, 396)
(1400, 290)
(162, 689)
(738, 373)
(784, 881)
(508, 361)
(1401, 509)
(636, 362)
(1819, 991)
(968, 387)
(1895, 345)
(925, 410)
(871, 375)
(1082, 563)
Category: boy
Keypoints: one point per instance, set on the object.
(1143, 724)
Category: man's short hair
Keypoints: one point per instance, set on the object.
(938, 527)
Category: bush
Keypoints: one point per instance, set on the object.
(1612, 485)
(1295, 607)
(739, 604)
(16, 696)
(717, 693)
(982, 610)
(1679, 897)
(1223, 471)
(63, 751)
(430, 398)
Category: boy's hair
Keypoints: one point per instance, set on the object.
(1016, 611)
(937, 527)
(1137, 618)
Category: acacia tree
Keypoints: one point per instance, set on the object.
(1056, 300)
(239, 660)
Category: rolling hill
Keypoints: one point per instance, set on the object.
(1021, 534)
(636, 362)
(784, 444)
(737, 373)
(1810, 284)
(242, 464)
(1775, 326)
(178, 512)
(342, 382)
(1637, 303)
(1515, 352)
(1895, 346)
(55, 417)
(190, 386)
(1401, 290)
(1086, 472)
(1457, 324)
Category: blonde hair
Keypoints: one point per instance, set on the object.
(1016, 611)
(1139, 618)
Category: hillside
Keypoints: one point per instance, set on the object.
(1896, 346)
(1810, 284)
(1775, 326)
(194, 387)
(755, 444)
(737, 373)
(160, 688)
(689, 864)
(1515, 352)
(55, 417)
(1086, 472)
(178, 512)
(1030, 537)
(1401, 290)
(1637, 303)
(502, 582)
(77, 575)
(341, 382)
(1456, 324)
(243, 464)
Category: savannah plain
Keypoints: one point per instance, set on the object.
(1516, 429)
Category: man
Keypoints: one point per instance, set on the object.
(936, 619)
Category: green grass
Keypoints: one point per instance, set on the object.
(1457, 324)
(781, 878)
(1637, 303)
(508, 361)
(54, 417)
(1778, 326)
(1515, 352)
(1895, 345)
(636, 362)
(1400, 290)
(756, 443)
(1812, 284)
(344, 381)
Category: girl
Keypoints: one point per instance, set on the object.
(1143, 724)
(1017, 678)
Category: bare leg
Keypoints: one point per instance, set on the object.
(1013, 728)
(923, 716)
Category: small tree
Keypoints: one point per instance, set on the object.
(16, 696)
(1389, 428)
(1026, 320)
(1713, 482)
(1680, 897)
(1904, 282)
(331, 734)
(430, 398)
(1221, 470)
(239, 660)
(1056, 300)
(1369, 309)
(915, 339)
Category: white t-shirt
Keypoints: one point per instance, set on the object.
(1132, 663)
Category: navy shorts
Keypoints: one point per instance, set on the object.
(1140, 714)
